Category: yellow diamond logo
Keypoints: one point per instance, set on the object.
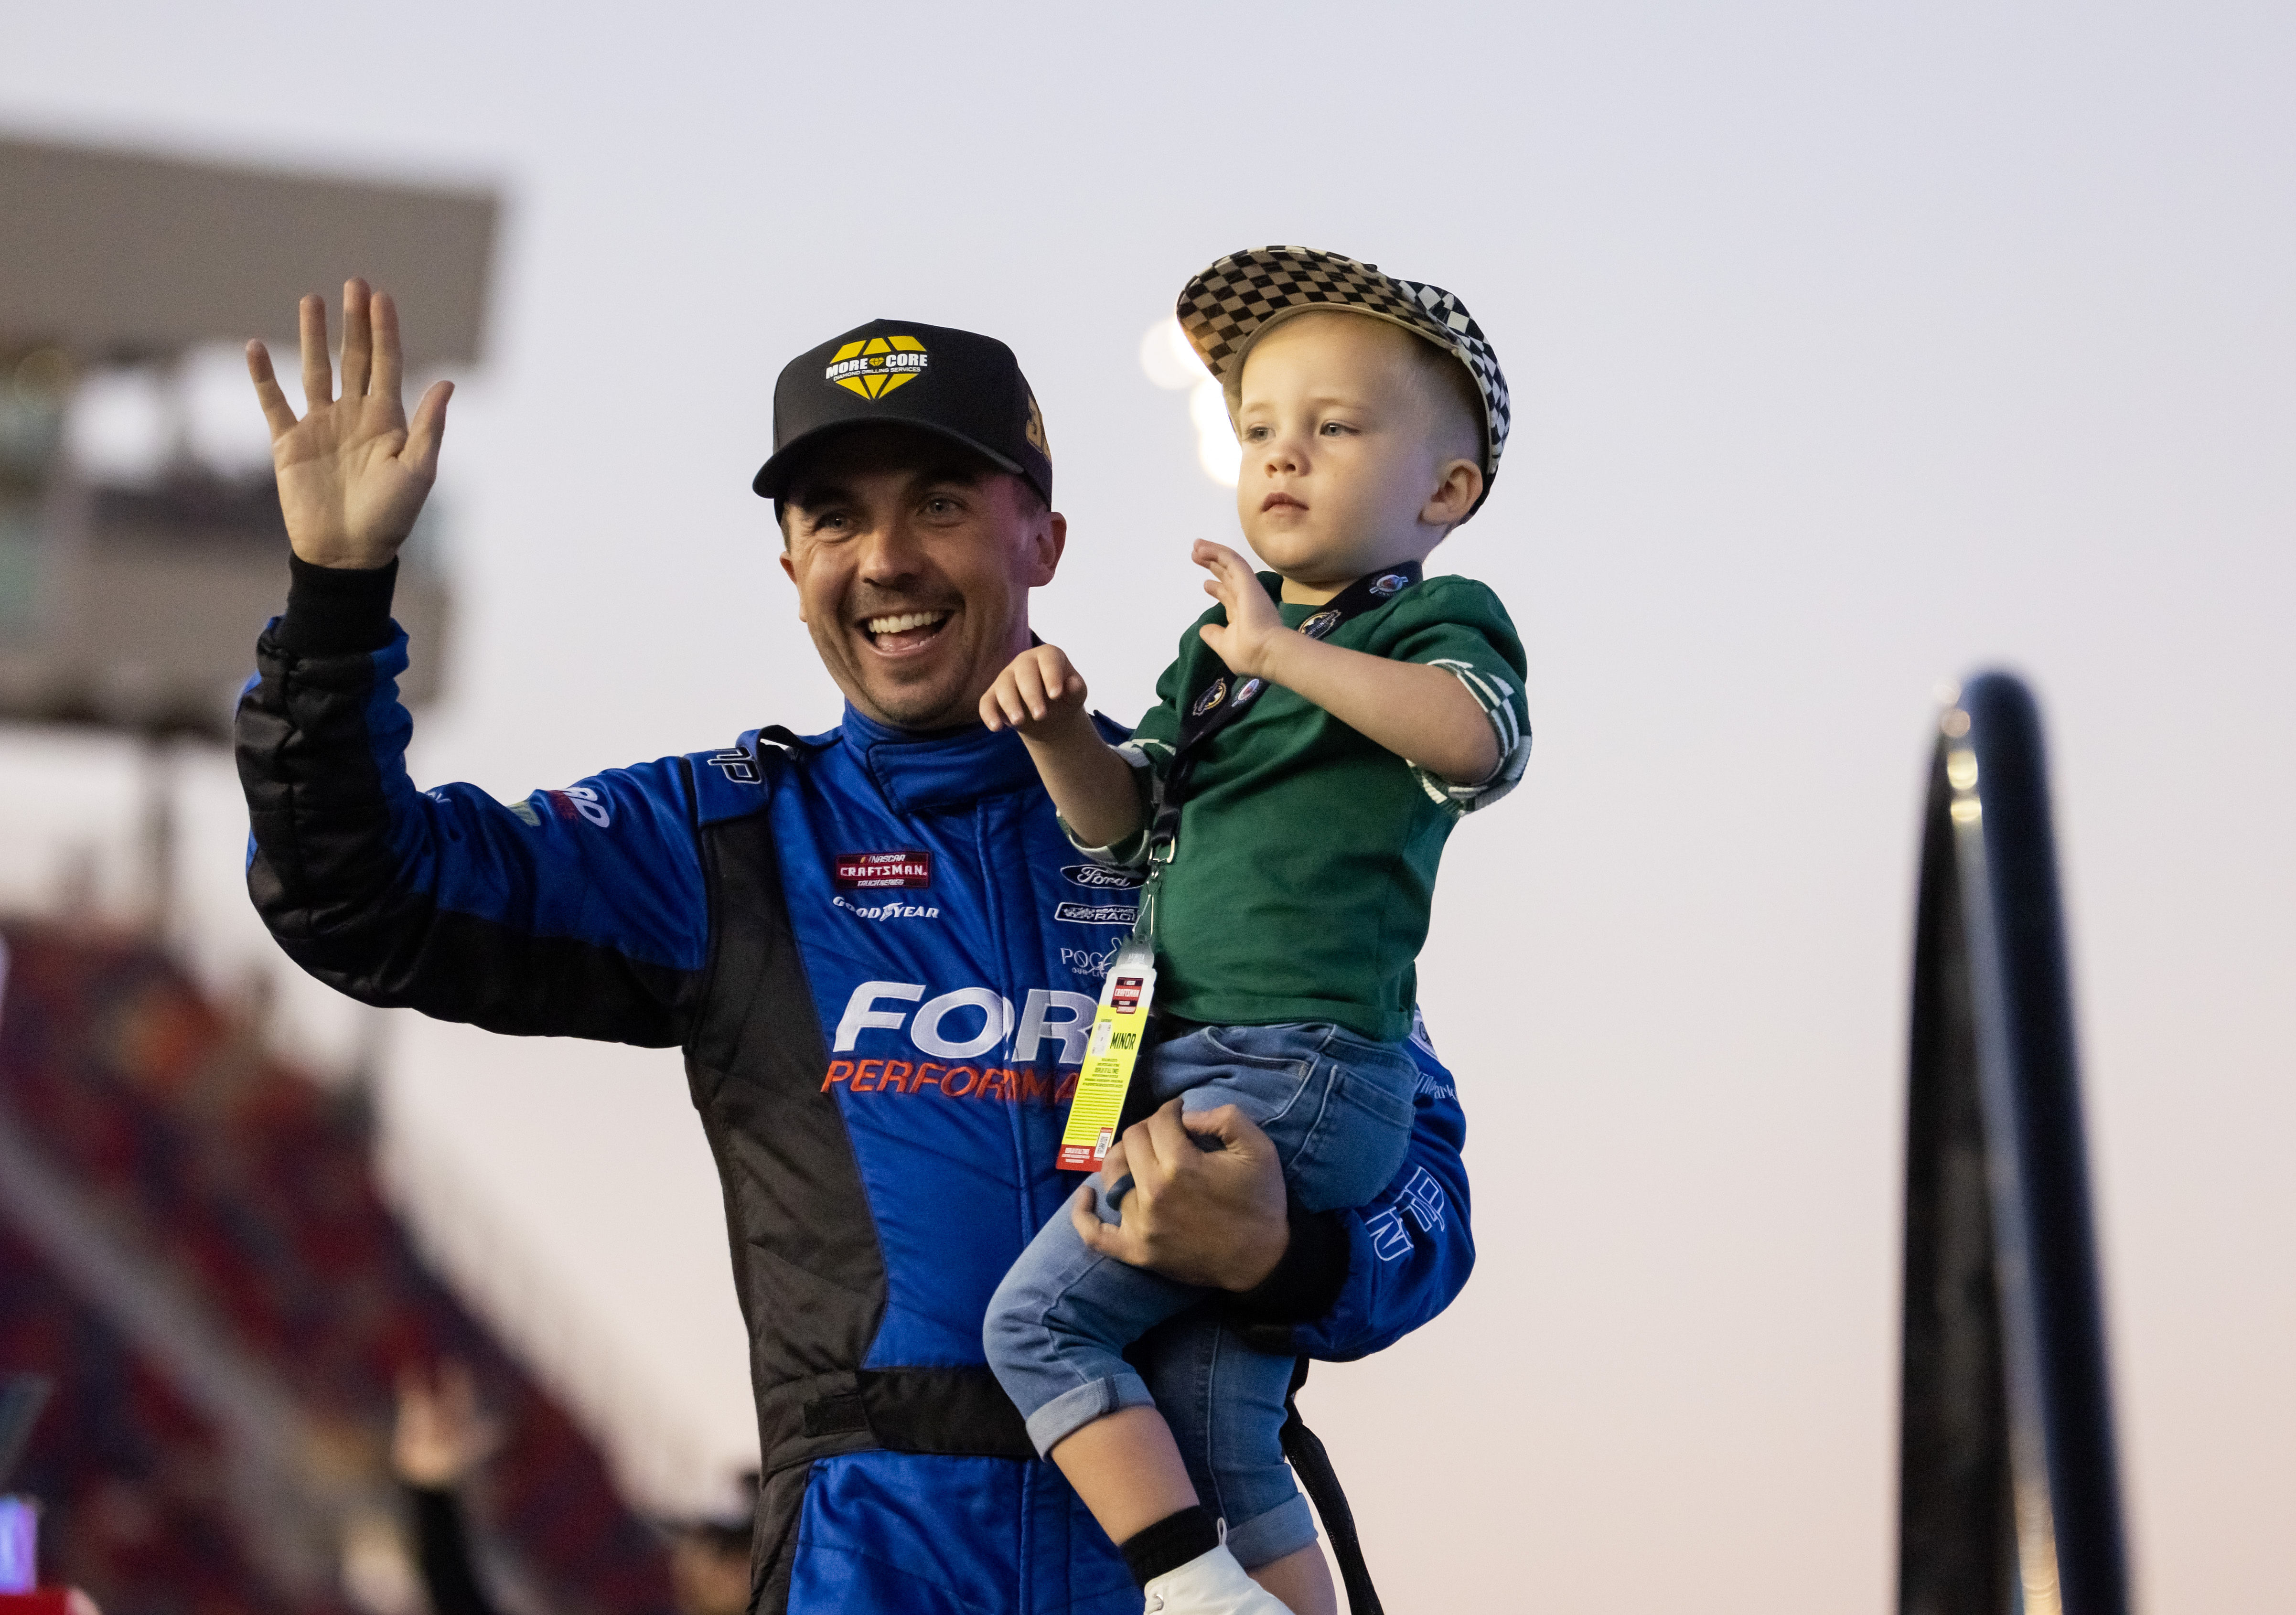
(875, 367)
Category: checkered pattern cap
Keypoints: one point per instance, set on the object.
(1226, 307)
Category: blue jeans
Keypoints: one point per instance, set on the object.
(1339, 1110)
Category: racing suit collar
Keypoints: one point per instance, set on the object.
(947, 768)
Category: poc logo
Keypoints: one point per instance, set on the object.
(1099, 877)
(1091, 962)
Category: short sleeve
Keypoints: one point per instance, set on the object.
(1148, 785)
(1149, 752)
(1459, 625)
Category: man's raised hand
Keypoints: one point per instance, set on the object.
(353, 473)
(1038, 691)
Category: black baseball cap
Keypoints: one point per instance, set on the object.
(955, 384)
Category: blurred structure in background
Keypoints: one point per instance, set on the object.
(197, 1264)
(133, 581)
(195, 1252)
(133, 604)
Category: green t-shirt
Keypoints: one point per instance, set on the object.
(1305, 865)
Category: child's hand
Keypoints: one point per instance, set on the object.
(1253, 622)
(1042, 697)
(1039, 692)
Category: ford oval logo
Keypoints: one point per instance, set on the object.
(1099, 877)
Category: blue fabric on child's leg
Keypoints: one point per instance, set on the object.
(1337, 1109)
(1109, 1203)
(1057, 1326)
(1224, 1401)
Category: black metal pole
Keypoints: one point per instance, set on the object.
(2010, 1494)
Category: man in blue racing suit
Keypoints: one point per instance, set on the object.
(876, 949)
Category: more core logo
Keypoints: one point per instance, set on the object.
(875, 367)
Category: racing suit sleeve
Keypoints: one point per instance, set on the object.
(1356, 1282)
(577, 913)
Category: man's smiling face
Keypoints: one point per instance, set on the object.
(913, 559)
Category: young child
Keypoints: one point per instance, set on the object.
(1320, 733)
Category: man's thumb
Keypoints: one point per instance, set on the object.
(1221, 1122)
(1086, 1222)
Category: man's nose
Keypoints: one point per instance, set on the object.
(890, 551)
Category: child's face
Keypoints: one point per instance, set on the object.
(1343, 464)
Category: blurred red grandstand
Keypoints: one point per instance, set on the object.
(194, 1248)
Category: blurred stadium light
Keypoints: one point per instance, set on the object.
(2009, 1501)
(1169, 361)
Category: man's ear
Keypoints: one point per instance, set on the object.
(1052, 543)
(789, 571)
(1459, 484)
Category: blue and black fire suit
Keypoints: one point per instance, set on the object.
(879, 956)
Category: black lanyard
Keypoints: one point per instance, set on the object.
(1223, 700)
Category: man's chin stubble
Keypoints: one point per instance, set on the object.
(924, 703)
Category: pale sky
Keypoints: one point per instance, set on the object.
(1853, 347)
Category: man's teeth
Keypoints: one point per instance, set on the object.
(904, 622)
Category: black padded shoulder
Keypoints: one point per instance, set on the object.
(807, 1267)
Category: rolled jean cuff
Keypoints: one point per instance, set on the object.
(1265, 1538)
(1069, 1411)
